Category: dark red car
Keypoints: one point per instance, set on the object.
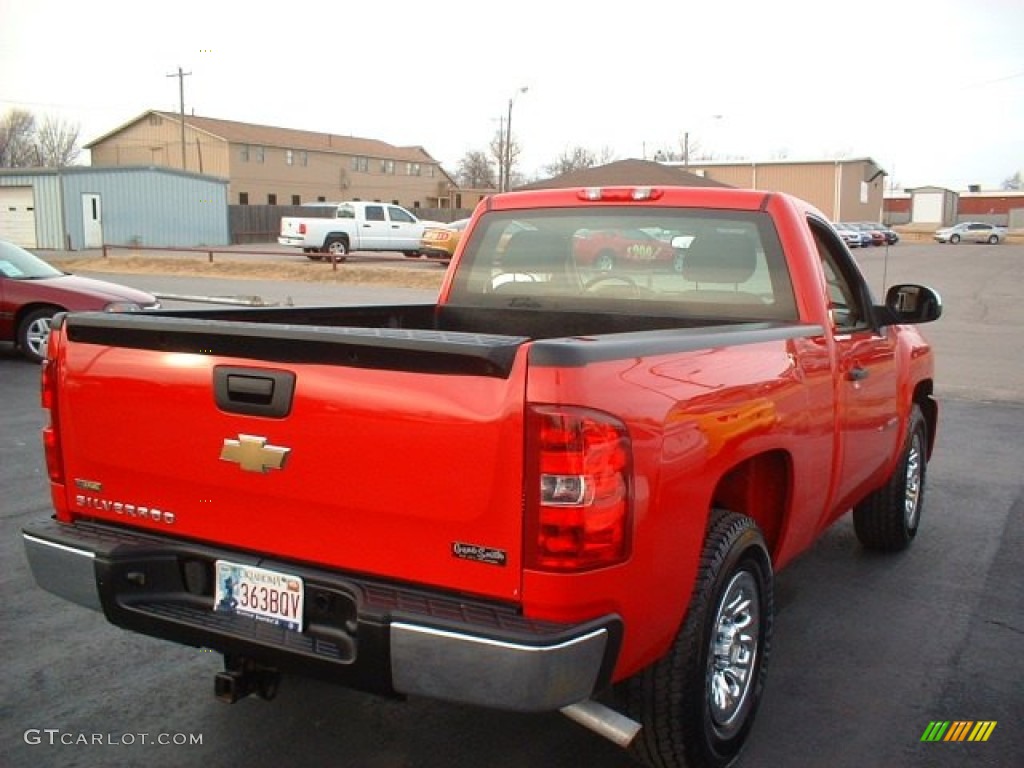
(32, 292)
(605, 249)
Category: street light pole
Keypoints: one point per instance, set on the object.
(508, 139)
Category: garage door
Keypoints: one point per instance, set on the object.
(18, 216)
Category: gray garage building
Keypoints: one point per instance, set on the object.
(84, 207)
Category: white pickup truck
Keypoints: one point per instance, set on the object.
(355, 226)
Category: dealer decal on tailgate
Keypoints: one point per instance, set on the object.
(480, 554)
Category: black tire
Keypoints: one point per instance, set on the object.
(34, 331)
(993, 240)
(954, 239)
(412, 254)
(688, 716)
(336, 249)
(888, 519)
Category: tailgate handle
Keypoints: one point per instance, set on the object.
(253, 391)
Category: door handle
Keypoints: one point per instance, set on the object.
(857, 373)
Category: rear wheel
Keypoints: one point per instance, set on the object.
(888, 519)
(34, 332)
(993, 239)
(336, 248)
(697, 704)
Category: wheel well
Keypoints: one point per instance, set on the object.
(336, 236)
(760, 489)
(929, 408)
(29, 308)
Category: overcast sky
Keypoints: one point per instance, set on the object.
(933, 90)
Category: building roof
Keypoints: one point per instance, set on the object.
(81, 170)
(777, 161)
(625, 173)
(290, 138)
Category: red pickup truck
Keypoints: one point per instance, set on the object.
(557, 487)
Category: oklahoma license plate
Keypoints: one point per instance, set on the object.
(262, 594)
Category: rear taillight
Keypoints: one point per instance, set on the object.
(51, 432)
(578, 494)
(302, 227)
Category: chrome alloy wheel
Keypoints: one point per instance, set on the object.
(36, 335)
(912, 492)
(734, 653)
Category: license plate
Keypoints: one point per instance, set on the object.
(269, 596)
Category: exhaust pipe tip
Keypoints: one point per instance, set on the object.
(604, 721)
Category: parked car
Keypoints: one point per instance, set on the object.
(853, 238)
(971, 232)
(439, 242)
(32, 292)
(875, 234)
(891, 236)
(605, 249)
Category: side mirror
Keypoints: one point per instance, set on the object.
(912, 304)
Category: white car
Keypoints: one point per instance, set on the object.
(971, 232)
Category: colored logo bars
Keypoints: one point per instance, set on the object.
(958, 730)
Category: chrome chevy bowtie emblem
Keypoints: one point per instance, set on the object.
(252, 453)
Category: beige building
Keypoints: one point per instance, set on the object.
(279, 166)
(843, 190)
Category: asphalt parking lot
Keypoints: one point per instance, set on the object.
(868, 650)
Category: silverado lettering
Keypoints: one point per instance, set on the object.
(637, 403)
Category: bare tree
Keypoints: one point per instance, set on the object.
(1015, 182)
(571, 160)
(17, 139)
(691, 149)
(476, 171)
(499, 153)
(57, 141)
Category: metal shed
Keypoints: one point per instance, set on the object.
(86, 207)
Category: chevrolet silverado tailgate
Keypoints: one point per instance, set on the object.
(391, 453)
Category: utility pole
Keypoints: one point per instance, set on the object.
(508, 140)
(501, 154)
(181, 104)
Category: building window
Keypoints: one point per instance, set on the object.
(321, 199)
(258, 151)
(387, 166)
(413, 169)
(156, 120)
(361, 164)
(243, 198)
(271, 199)
(303, 158)
(289, 157)
(243, 153)
(296, 200)
(431, 170)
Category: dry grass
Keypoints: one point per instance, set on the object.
(428, 276)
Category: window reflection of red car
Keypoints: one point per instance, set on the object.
(605, 249)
